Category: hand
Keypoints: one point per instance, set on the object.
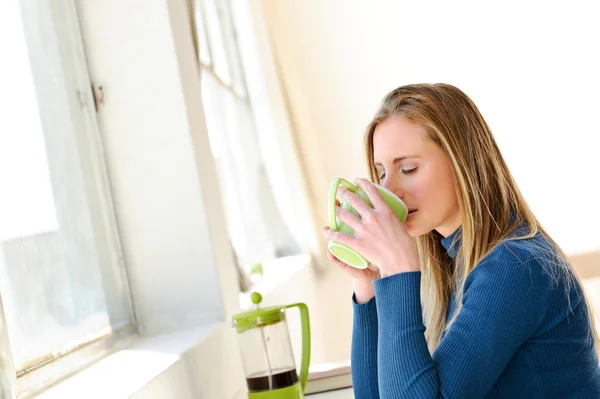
(364, 290)
(370, 274)
(378, 234)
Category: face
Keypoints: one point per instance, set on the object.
(414, 168)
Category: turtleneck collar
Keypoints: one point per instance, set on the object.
(452, 242)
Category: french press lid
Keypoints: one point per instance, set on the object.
(259, 317)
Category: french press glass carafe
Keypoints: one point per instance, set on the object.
(267, 354)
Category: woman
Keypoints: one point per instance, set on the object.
(470, 297)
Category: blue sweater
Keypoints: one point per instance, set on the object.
(521, 333)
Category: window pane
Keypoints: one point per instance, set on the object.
(213, 98)
(256, 229)
(201, 35)
(61, 279)
(215, 39)
(231, 45)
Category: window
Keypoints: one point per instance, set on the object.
(257, 229)
(62, 280)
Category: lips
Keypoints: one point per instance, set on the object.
(411, 211)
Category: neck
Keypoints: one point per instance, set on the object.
(450, 225)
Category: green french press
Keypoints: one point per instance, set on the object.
(266, 349)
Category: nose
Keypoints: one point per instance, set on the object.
(394, 188)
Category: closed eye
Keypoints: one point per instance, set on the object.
(404, 172)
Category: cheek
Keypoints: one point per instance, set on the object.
(429, 193)
(422, 189)
(417, 190)
(420, 194)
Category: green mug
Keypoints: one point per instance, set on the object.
(342, 251)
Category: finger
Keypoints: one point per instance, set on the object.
(373, 267)
(354, 200)
(341, 237)
(349, 218)
(372, 192)
(336, 261)
(333, 258)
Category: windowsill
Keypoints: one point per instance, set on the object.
(122, 374)
(126, 372)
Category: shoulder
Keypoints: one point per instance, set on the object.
(528, 264)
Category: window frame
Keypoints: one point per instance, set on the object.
(235, 85)
(59, 21)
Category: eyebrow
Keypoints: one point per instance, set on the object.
(399, 159)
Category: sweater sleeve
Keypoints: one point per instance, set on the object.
(363, 358)
(504, 302)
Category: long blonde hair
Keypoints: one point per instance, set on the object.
(491, 205)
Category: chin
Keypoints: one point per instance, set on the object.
(416, 231)
(413, 231)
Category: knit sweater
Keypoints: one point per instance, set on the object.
(523, 332)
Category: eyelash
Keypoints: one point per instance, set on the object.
(405, 172)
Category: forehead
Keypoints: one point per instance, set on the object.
(396, 137)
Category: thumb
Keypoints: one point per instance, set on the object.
(373, 267)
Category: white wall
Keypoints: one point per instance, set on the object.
(531, 67)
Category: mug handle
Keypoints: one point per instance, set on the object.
(333, 187)
(305, 342)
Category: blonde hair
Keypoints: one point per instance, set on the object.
(491, 205)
